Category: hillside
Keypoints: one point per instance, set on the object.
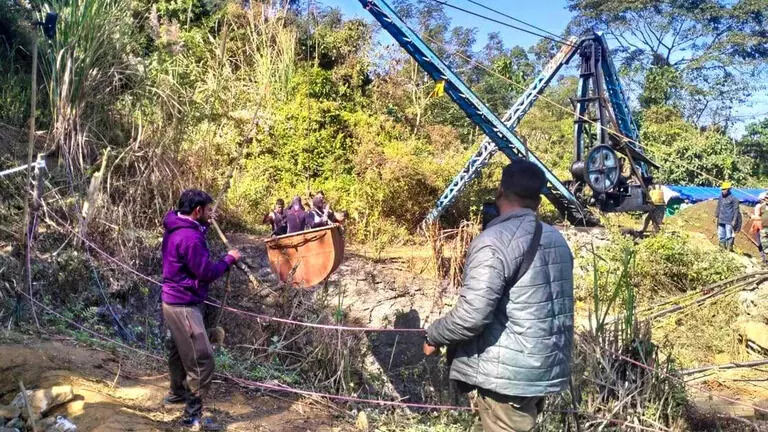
(366, 293)
(131, 102)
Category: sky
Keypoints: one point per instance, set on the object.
(551, 15)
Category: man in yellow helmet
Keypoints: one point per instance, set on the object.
(728, 216)
(656, 215)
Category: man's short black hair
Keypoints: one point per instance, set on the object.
(523, 180)
(191, 199)
(280, 202)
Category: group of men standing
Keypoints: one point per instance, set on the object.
(299, 217)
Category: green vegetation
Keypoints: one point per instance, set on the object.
(672, 262)
(689, 155)
(443, 421)
(642, 398)
(168, 94)
(703, 57)
(296, 102)
(660, 265)
(704, 335)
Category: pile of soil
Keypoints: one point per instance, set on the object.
(699, 220)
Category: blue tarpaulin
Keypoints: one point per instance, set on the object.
(694, 194)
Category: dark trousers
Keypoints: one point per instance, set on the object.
(501, 413)
(190, 356)
(655, 216)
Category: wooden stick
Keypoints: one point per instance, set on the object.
(29, 224)
(224, 301)
(731, 281)
(676, 308)
(26, 404)
(749, 237)
(239, 263)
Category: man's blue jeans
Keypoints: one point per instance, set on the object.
(725, 232)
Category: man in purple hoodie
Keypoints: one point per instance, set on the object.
(187, 272)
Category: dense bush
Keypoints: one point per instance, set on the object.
(667, 263)
(672, 262)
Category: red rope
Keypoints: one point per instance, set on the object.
(368, 329)
(282, 388)
(240, 311)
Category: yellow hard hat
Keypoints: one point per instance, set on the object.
(725, 185)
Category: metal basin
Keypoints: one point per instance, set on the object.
(306, 258)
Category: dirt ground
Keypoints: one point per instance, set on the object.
(391, 291)
(124, 393)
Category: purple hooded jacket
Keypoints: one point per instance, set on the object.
(296, 217)
(187, 267)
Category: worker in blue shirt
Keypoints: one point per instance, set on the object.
(728, 217)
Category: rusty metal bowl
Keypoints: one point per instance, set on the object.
(306, 258)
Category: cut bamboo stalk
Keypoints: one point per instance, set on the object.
(700, 300)
(26, 404)
(706, 288)
(732, 365)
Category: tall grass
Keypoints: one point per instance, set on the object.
(619, 300)
(85, 65)
(606, 385)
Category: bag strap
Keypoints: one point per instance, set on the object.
(530, 254)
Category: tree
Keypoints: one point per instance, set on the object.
(662, 86)
(15, 63)
(689, 155)
(432, 24)
(717, 47)
(754, 145)
(548, 129)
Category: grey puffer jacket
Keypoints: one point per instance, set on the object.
(517, 344)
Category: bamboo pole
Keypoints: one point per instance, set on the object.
(733, 365)
(26, 404)
(224, 301)
(718, 293)
(29, 224)
(731, 281)
(240, 264)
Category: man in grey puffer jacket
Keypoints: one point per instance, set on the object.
(512, 333)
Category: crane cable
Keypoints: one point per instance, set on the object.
(610, 131)
(496, 11)
(493, 20)
(586, 119)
